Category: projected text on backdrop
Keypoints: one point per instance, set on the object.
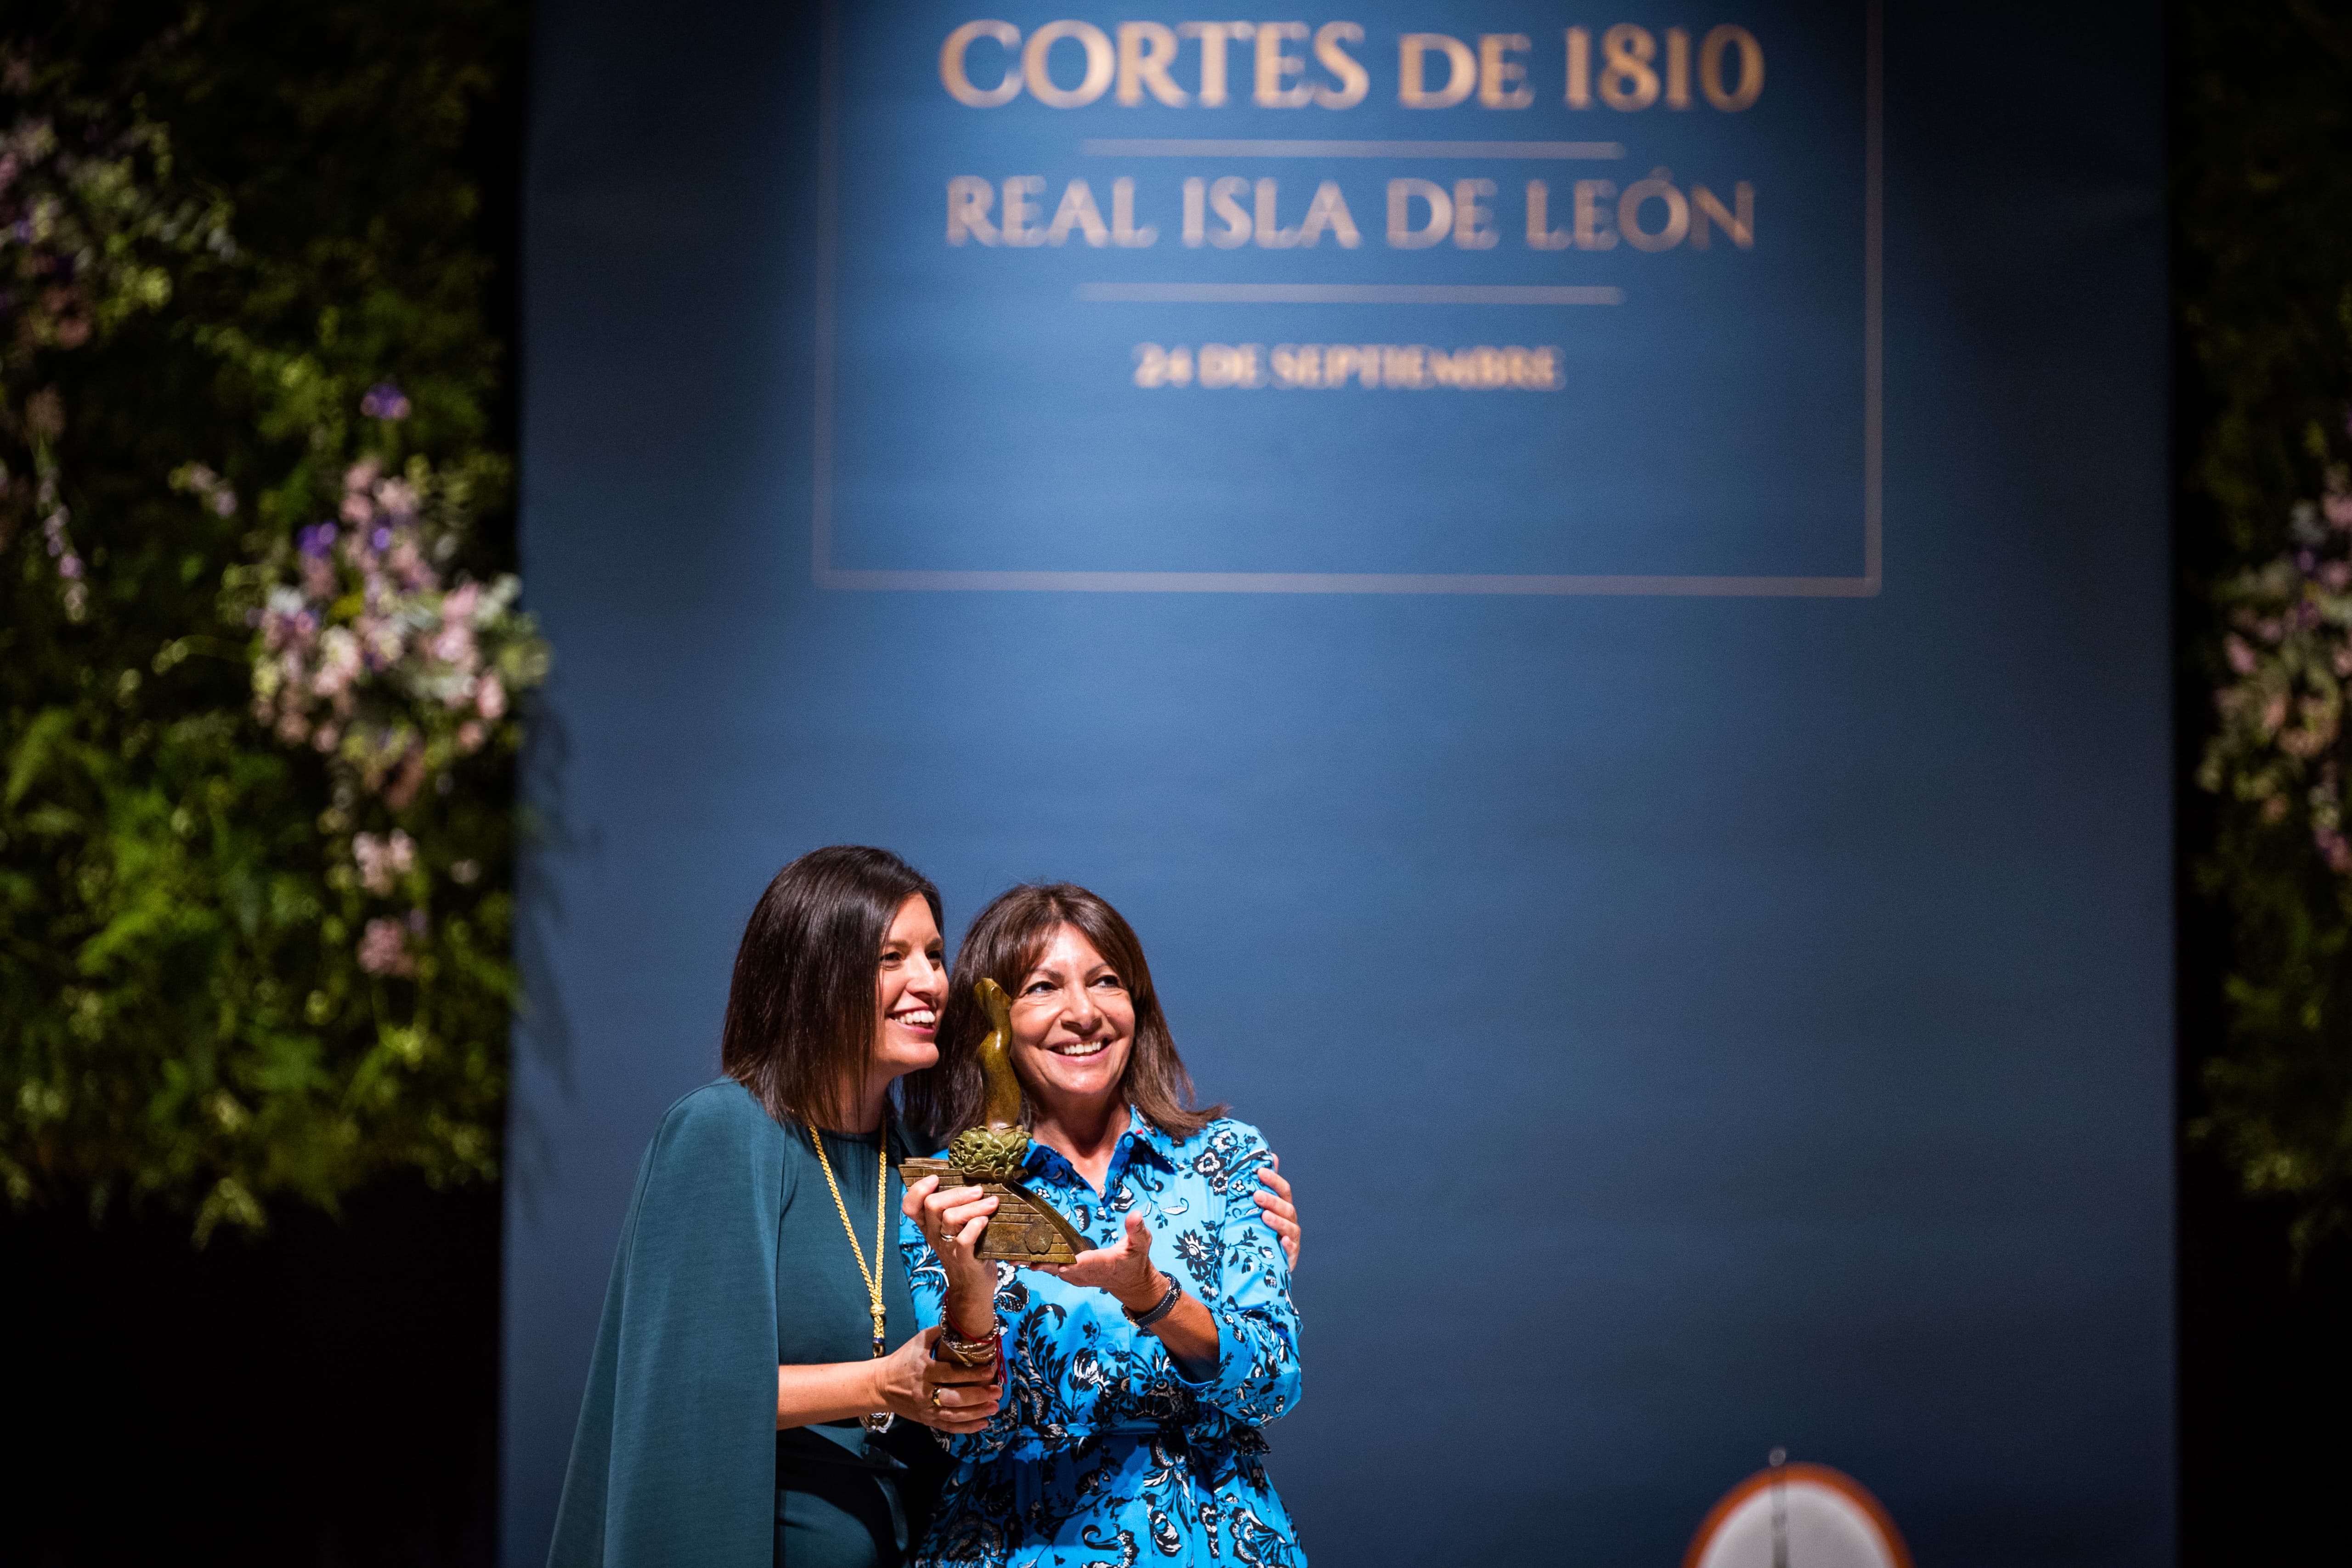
(1572, 304)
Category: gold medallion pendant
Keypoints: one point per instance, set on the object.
(1025, 1229)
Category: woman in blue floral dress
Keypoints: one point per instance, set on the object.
(1141, 1376)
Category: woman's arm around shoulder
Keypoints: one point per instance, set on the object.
(1243, 1277)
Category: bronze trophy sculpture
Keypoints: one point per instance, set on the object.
(1025, 1229)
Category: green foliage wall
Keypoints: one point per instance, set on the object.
(2262, 221)
(246, 957)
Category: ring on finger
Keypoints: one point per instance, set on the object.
(935, 1398)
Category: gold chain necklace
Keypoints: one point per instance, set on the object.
(879, 1421)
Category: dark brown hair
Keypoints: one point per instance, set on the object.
(1005, 942)
(800, 1012)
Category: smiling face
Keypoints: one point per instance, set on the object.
(1073, 1024)
(910, 983)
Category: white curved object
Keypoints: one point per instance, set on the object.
(1826, 1520)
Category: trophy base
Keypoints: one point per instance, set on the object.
(1024, 1230)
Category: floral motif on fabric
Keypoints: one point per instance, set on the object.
(1106, 1454)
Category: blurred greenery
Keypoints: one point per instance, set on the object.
(2261, 181)
(182, 1017)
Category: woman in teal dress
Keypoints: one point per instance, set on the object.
(1139, 1377)
(760, 1367)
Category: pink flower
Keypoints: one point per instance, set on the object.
(2241, 657)
(338, 661)
(383, 860)
(490, 700)
(470, 736)
(379, 640)
(405, 563)
(383, 949)
(210, 487)
(362, 474)
(398, 497)
(407, 781)
(318, 578)
(454, 645)
(2335, 847)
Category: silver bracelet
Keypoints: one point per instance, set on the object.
(1166, 1305)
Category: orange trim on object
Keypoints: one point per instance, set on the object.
(1838, 1481)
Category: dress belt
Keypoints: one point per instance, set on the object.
(827, 1471)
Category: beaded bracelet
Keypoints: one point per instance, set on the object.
(952, 1346)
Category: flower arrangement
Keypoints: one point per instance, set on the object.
(2281, 756)
(86, 241)
(260, 714)
(366, 657)
(2288, 648)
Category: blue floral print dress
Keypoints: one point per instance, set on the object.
(1105, 1454)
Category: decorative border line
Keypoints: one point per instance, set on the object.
(1349, 583)
(1350, 294)
(1867, 585)
(1210, 147)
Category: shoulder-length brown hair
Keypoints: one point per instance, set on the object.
(800, 1012)
(1005, 942)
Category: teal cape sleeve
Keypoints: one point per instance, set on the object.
(675, 1460)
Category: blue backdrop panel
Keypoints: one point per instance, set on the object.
(1672, 848)
(1147, 384)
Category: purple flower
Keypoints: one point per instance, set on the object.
(316, 539)
(69, 567)
(381, 540)
(384, 401)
